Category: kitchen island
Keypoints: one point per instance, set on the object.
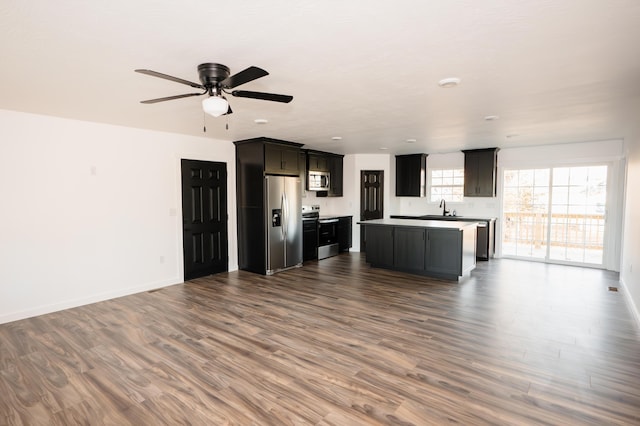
(441, 249)
(486, 235)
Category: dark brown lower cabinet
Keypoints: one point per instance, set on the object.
(380, 246)
(309, 239)
(486, 231)
(486, 239)
(439, 252)
(345, 239)
(409, 248)
(445, 252)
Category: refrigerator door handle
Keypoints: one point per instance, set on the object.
(285, 213)
(283, 216)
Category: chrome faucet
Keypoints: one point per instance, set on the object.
(443, 205)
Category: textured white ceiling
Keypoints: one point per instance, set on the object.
(553, 71)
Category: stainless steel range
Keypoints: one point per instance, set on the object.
(320, 234)
(310, 212)
(328, 237)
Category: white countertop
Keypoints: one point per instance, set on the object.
(419, 223)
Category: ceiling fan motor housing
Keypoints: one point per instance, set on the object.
(211, 74)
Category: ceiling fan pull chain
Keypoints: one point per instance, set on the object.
(204, 123)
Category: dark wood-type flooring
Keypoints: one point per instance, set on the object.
(335, 343)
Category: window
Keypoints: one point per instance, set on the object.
(447, 184)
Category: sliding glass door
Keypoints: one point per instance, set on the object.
(555, 214)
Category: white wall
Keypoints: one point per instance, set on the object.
(630, 270)
(92, 211)
(349, 203)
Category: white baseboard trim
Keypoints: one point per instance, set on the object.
(630, 302)
(74, 303)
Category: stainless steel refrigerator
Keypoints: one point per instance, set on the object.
(283, 201)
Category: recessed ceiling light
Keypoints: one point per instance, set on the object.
(261, 121)
(336, 138)
(384, 148)
(448, 83)
(491, 117)
(411, 141)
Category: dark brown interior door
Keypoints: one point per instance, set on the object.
(371, 199)
(204, 218)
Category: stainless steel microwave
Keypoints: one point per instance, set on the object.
(318, 181)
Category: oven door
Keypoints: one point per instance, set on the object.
(328, 232)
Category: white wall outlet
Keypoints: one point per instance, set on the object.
(173, 212)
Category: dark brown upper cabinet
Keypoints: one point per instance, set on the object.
(480, 172)
(281, 158)
(317, 161)
(335, 169)
(411, 175)
(321, 161)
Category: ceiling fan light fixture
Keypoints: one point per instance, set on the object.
(215, 105)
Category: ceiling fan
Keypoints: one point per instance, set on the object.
(215, 80)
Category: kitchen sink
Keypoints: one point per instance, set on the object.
(440, 217)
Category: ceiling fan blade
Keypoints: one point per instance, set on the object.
(170, 98)
(243, 77)
(261, 95)
(169, 77)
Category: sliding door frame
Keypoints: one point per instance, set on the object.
(613, 214)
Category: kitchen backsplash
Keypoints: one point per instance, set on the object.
(476, 207)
